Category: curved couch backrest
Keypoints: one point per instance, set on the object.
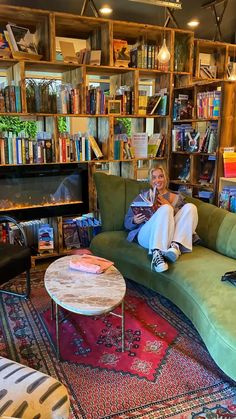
(114, 197)
(216, 227)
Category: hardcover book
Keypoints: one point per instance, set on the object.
(143, 208)
(144, 203)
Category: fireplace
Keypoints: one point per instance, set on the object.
(44, 190)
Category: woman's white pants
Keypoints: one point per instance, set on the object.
(164, 227)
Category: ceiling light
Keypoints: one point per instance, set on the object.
(193, 23)
(105, 10)
(171, 4)
(164, 54)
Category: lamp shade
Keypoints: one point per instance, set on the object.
(164, 54)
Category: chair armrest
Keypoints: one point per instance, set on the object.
(7, 218)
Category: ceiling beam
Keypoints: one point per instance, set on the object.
(92, 5)
(164, 3)
(211, 3)
(170, 17)
(218, 18)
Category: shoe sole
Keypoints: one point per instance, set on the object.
(171, 256)
(163, 269)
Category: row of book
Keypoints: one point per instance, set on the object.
(48, 96)
(144, 56)
(139, 146)
(186, 138)
(206, 172)
(183, 107)
(78, 147)
(126, 97)
(140, 55)
(10, 99)
(69, 99)
(96, 101)
(79, 231)
(153, 105)
(208, 104)
(203, 194)
(23, 150)
(10, 233)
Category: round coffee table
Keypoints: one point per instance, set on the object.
(84, 293)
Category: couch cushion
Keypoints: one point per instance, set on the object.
(193, 284)
(216, 228)
(114, 196)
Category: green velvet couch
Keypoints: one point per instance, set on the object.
(194, 282)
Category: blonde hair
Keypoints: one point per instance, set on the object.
(164, 172)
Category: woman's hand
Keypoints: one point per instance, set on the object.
(139, 218)
(162, 201)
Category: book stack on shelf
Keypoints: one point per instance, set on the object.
(143, 55)
(69, 99)
(229, 163)
(208, 143)
(79, 231)
(20, 149)
(227, 198)
(126, 97)
(183, 107)
(208, 104)
(10, 233)
(96, 101)
(207, 170)
(78, 147)
(153, 105)
(49, 96)
(184, 170)
(122, 147)
(156, 145)
(10, 99)
(186, 138)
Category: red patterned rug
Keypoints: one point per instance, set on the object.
(166, 370)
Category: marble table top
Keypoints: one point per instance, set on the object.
(81, 292)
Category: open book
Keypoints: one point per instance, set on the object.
(144, 203)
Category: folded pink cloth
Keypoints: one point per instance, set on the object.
(90, 263)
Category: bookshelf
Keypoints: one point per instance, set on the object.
(69, 100)
(213, 60)
(201, 128)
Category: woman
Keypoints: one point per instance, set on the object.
(169, 231)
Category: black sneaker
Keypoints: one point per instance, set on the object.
(158, 263)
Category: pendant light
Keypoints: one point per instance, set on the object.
(164, 54)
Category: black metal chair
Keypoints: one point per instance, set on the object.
(14, 259)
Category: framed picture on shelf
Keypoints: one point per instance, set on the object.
(114, 107)
(21, 39)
